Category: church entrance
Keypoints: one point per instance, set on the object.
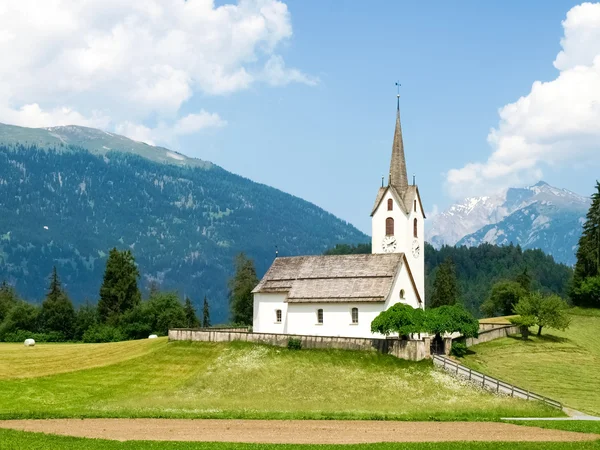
(437, 345)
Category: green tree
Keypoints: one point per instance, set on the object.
(22, 317)
(119, 291)
(205, 314)
(57, 312)
(524, 279)
(346, 249)
(86, 317)
(451, 319)
(445, 286)
(191, 319)
(400, 318)
(543, 312)
(588, 256)
(8, 299)
(587, 292)
(240, 290)
(505, 294)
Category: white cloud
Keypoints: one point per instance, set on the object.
(120, 64)
(556, 124)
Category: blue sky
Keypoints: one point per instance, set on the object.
(300, 94)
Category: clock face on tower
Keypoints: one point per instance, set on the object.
(416, 248)
(389, 244)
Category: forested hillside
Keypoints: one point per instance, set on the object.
(68, 207)
(478, 268)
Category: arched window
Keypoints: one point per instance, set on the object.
(320, 316)
(401, 293)
(415, 206)
(389, 226)
(390, 204)
(415, 228)
(354, 315)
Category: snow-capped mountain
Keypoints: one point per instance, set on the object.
(538, 216)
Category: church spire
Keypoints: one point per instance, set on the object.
(398, 177)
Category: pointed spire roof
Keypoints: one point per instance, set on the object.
(398, 178)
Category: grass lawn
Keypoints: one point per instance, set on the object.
(236, 380)
(582, 426)
(20, 440)
(564, 366)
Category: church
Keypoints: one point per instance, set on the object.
(340, 295)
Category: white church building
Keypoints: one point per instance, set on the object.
(340, 295)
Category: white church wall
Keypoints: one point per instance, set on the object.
(264, 316)
(417, 264)
(378, 225)
(402, 283)
(337, 319)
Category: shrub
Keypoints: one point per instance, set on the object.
(21, 335)
(459, 349)
(294, 344)
(102, 333)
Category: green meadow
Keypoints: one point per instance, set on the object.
(156, 378)
(563, 365)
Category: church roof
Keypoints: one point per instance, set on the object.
(335, 278)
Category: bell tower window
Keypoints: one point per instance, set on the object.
(415, 206)
(415, 228)
(389, 226)
(390, 204)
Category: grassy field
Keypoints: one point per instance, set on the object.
(564, 366)
(235, 380)
(13, 440)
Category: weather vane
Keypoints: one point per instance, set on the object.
(398, 94)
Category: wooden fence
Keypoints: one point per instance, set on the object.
(490, 383)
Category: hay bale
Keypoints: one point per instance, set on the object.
(152, 336)
(29, 343)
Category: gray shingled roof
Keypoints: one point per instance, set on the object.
(336, 278)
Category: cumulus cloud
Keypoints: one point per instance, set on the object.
(116, 64)
(555, 124)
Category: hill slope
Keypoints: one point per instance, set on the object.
(242, 380)
(539, 216)
(185, 220)
(564, 365)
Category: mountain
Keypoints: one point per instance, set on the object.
(69, 194)
(538, 216)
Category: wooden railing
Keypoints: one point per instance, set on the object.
(490, 383)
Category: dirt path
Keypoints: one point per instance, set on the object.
(292, 431)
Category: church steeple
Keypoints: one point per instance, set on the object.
(398, 178)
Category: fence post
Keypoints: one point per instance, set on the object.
(512, 390)
(483, 383)
(527, 395)
(444, 363)
(470, 373)
(497, 385)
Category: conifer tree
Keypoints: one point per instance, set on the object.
(205, 314)
(8, 299)
(586, 278)
(240, 290)
(445, 286)
(190, 314)
(57, 312)
(524, 279)
(119, 291)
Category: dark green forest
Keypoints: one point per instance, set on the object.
(68, 207)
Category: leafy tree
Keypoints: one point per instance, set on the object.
(22, 317)
(543, 312)
(240, 290)
(8, 299)
(190, 314)
(587, 293)
(588, 256)
(86, 317)
(205, 314)
(156, 315)
(57, 312)
(119, 291)
(399, 318)
(452, 319)
(504, 296)
(445, 287)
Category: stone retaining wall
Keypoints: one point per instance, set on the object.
(414, 350)
(489, 332)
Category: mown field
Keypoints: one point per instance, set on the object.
(562, 365)
(12, 440)
(154, 378)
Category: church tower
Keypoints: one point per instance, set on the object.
(397, 218)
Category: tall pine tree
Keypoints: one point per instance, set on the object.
(205, 314)
(585, 290)
(191, 320)
(240, 290)
(445, 286)
(58, 314)
(119, 291)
